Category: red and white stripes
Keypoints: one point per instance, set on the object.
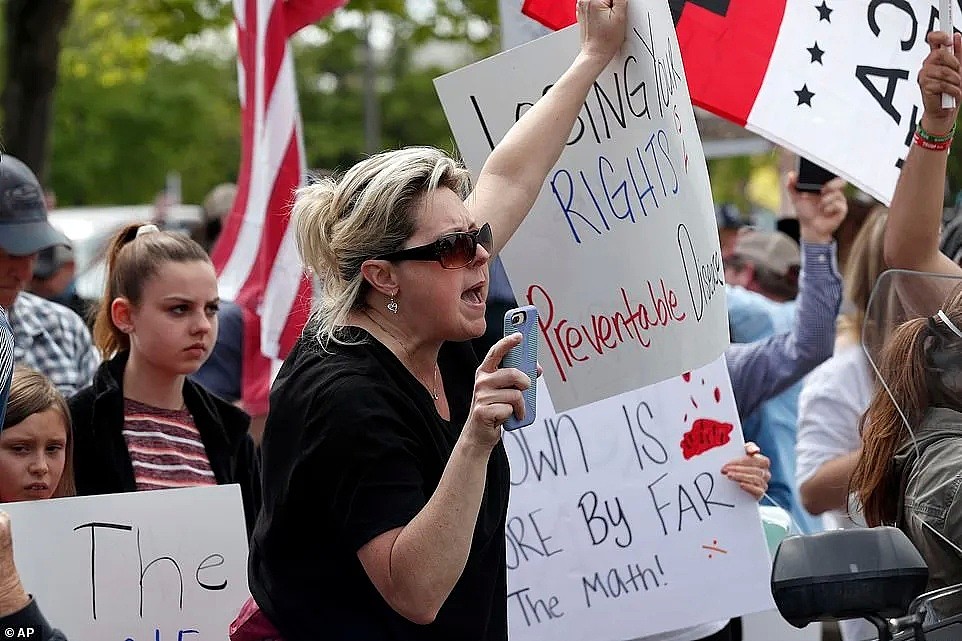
(255, 257)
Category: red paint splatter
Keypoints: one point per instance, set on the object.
(705, 434)
(717, 395)
(693, 402)
(686, 376)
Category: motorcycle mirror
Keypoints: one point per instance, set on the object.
(847, 574)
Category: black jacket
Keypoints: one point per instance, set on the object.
(102, 463)
(31, 618)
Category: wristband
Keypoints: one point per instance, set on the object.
(926, 136)
(932, 146)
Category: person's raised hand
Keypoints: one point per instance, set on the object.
(941, 73)
(603, 27)
(819, 215)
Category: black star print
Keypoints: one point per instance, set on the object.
(804, 96)
(824, 13)
(816, 53)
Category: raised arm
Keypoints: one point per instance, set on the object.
(514, 173)
(914, 222)
(764, 368)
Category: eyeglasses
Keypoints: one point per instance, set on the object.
(453, 251)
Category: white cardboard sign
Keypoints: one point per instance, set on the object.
(620, 252)
(621, 524)
(166, 565)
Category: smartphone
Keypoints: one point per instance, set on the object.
(811, 177)
(791, 227)
(523, 357)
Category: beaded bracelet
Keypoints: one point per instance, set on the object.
(926, 136)
(932, 146)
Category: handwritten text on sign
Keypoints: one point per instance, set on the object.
(620, 252)
(145, 566)
(847, 70)
(620, 518)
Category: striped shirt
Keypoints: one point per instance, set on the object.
(165, 448)
(6, 362)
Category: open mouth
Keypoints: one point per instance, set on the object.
(37, 487)
(475, 295)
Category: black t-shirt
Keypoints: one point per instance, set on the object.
(353, 448)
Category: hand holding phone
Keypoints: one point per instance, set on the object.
(523, 357)
(811, 177)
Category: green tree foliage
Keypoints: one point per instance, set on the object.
(149, 86)
(116, 143)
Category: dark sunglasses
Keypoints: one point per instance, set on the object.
(453, 251)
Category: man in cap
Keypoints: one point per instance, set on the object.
(762, 273)
(766, 262)
(54, 276)
(49, 338)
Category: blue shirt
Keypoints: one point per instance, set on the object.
(773, 426)
(762, 369)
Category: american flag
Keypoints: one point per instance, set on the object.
(255, 256)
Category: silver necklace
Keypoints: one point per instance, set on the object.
(434, 392)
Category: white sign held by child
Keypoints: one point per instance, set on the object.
(165, 565)
(620, 252)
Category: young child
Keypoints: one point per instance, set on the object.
(142, 424)
(35, 442)
(35, 463)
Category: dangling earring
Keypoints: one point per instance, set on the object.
(392, 305)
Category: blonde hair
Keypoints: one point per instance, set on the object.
(866, 262)
(31, 393)
(132, 260)
(371, 211)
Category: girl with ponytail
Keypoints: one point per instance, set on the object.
(142, 424)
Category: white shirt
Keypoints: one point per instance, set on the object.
(833, 400)
(830, 406)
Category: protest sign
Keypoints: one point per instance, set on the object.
(621, 524)
(841, 86)
(833, 80)
(167, 565)
(620, 252)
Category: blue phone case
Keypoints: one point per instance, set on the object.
(525, 358)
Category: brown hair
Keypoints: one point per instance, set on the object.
(132, 260)
(904, 366)
(31, 393)
(784, 286)
(866, 262)
(780, 285)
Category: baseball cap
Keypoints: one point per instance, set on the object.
(51, 259)
(218, 202)
(773, 250)
(24, 228)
